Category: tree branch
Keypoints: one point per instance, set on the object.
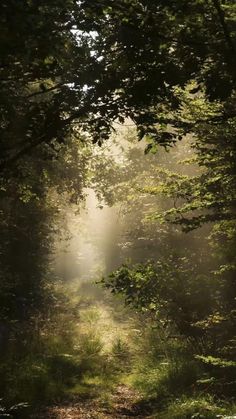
(225, 28)
(41, 92)
(44, 138)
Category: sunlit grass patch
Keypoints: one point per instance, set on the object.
(201, 407)
(90, 315)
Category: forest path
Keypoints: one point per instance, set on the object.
(123, 404)
(99, 396)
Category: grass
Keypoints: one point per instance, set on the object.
(86, 361)
(88, 355)
(167, 375)
(192, 408)
(166, 379)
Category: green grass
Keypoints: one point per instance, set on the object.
(160, 379)
(198, 407)
(89, 355)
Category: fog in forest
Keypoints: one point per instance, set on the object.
(97, 235)
(92, 245)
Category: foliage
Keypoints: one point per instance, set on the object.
(168, 378)
(35, 331)
(66, 356)
(158, 289)
(198, 310)
(188, 286)
(209, 195)
(106, 62)
(147, 48)
(71, 71)
(199, 407)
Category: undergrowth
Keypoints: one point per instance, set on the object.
(81, 351)
(167, 375)
(93, 346)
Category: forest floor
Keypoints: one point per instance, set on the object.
(123, 404)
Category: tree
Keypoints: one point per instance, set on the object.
(105, 62)
(33, 204)
(209, 194)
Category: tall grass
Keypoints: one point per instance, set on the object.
(79, 350)
(85, 350)
(167, 374)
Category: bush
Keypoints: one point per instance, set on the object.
(120, 352)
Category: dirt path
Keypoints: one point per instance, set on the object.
(122, 405)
